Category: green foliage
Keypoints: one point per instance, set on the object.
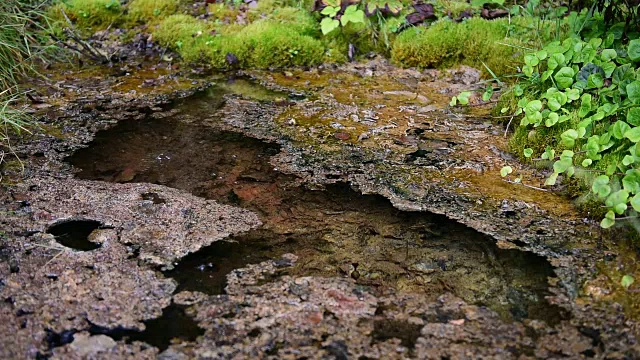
(462, 98)
(88, 14)
(506, 170)
(144, 11)
(369, 25)
(586, 95)
(331, 20)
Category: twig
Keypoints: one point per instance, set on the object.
(525, 185)
(1, 160)
(95, 55)
(484, 103)
(558, 157)
(70, 46)
(70, 31)
(508, 124)
(46, 246)
(627, 217)
(53, 258)
(106, 31)
(162, 55)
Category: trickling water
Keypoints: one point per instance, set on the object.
(335, 232)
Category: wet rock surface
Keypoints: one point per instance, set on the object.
(333, 229)
(320, 318)
(359, 125)
(58, 289)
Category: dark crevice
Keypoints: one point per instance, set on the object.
(160, 332)
(54, 339)
(389, 329)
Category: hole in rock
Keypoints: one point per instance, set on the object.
(75, 233)
(55, 339)
(174, 324)
(329, 230)
(154, 198)
(388, 329)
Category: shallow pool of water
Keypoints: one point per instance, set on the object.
(335, 231)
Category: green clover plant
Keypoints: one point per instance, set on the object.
(589, 90)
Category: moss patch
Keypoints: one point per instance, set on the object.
(473, 42)
(90, 15)
(149, 11)
(185, 34)
(270, 42)
(451, 7)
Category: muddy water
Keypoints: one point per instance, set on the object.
(335, 231)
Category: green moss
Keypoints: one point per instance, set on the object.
(297, 20)
(272, 44)
(180, 31)
(429, 47)
(267, 7)
(145, 11)
(222, 12)
(451, 8)
(264, 8)
(537, 139)
(88, 15)
(337, 50)
(475, 42)
(262, 44)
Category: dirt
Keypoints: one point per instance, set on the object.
(458, 265)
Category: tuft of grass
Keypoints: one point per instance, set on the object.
(12, 120)
(150, 11)
(19, 42)
(20, 47)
